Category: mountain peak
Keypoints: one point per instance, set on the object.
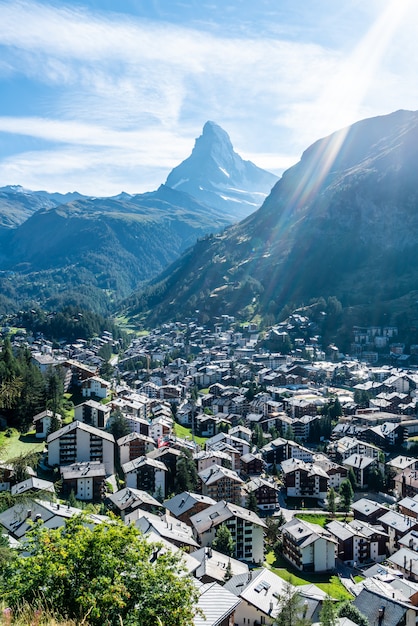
(215, 174)
(214, 133)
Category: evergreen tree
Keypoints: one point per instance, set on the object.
(118, 425)
(223, 541)
(328, 615)
(332, 507)
(186, 473)
(251, 502)
(352, 478)
(346, 494)
(291, 611)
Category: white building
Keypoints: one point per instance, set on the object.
(78, 442)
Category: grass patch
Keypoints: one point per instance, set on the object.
(322, 519)
(19, 443)
(329, 583)
(186, 433)
(358, 579)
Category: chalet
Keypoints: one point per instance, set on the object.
(369, 511)
(86, 480)
(259, 592)
(246, 528)
(78, 443)
(134, 445)
(93, 413)
(409, 506)
(204, 459)
(146, 474)
(252, 464)
(336, 473)
(95, 387)
(43, 421)
(304, 479)
(266, 492)
(396, 525)
(128, 499)
(358, 543)
(221, 483)
(168, 528)
(276, 451)
(346, 446)
(361, 466)
(213, 565)
(184, 505)
(168, 455)
(308, 547)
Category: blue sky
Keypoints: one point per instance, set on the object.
(108, 96)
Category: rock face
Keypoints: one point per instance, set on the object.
(342, 221)
(218, 176)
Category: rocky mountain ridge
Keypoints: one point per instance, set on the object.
(340, 222)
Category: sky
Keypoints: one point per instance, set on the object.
(105, 96)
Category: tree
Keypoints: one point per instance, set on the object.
(186, 472)
(347, 609)
(251, 502)
(346, 494)
(291, 610)
(108, 572)
(328, 615)
(54, 390)
(376, 479)
(118, 424)
(332, 507)
(223, 541)
(352, 478)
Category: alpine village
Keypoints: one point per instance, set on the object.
(209, 401)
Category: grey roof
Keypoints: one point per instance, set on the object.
(216, 603)
(46, 413)
(19, 518)
(122, 441)
(398, 521)
(370, 603)
(141, 461)
(217, 472)
(214, 564)
(405, 558)
(292, 465)
(33, 484)
(367, 507)
(219, 513)
(86, 469)
(342, 530)
(359, 461)
(167, 527)
(305, 533)
(260, 588)
(80, 425)
(366, 529)
(409, 503)
(185, 501)
(129, 497)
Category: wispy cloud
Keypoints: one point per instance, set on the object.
(116, 84)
